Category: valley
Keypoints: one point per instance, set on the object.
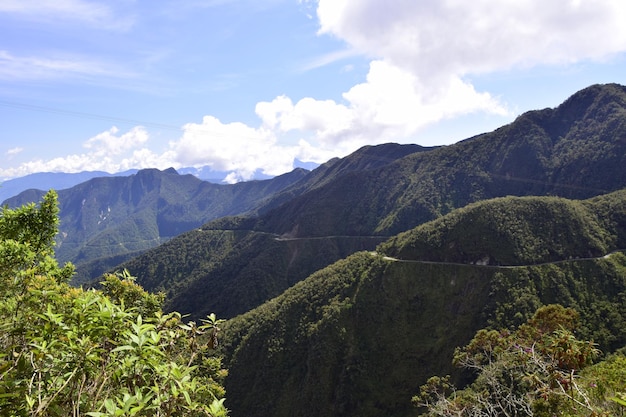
(346, 287)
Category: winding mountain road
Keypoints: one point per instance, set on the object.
(391, 259)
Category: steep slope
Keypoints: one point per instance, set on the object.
(384, 190)
(360, 336)
(227, 272)
(229, 268)
(113, 216)
(576, 151)
(555, 229)
(362, 160)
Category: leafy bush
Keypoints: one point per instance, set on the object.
(533, 371)
(67, 351)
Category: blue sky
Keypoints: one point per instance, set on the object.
(250, 85)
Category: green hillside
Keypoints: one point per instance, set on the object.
(106, 220)
(384, 190)
(366, 158)
(360, 336)
(204, 269)
(552, 229)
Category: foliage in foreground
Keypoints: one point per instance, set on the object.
(541, 369)
(67, 352)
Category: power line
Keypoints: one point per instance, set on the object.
(82, 115)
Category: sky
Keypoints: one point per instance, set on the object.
(245, 86)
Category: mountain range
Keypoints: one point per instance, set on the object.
(106, 220)
(360, 336)
(348, 285)
(576, 150)
(50, 180)
(476, 234)
(62, 180)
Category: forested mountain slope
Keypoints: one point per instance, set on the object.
(364, 159)
(555, 229)
(238, 268)
(576, 150)
(120, 216)
(360, 336)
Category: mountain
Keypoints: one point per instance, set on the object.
(364, 159)
(50, 180)
(360, 336)
(206, 173)
(118, 217)
(347, 286)
(244, 267)
(61, 180)
(576, 150)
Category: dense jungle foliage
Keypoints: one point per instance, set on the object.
(360, 336)
(65, 351)
(536, 229)
(538, 369)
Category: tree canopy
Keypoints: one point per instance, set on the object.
(540, 369)
(66, 351)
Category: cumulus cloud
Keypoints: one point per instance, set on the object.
(422, 53)
(391, 105)
(109, 151)
(107, 143)
(457, 37)
(234, 147)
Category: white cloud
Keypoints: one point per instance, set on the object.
(422, 53)
(14, 151)
(107, 143)
(457, 37)
(391, 105)
(323, 117)
(232, 147)
(107, 151)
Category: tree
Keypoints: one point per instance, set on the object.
(66, 351)
(533, 371)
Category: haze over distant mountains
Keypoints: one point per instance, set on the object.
(62, 180)
(109, 219)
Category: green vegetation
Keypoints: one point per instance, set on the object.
(518, 231)
(232, 271)
(540, 369)
(357, 337)
(388, 189)
(108, 217)
(320, 324)
(69, 352)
